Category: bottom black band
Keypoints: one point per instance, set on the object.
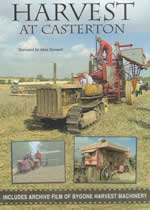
(79, 196)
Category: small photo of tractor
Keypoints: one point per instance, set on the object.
(105, 160)
(38, 162)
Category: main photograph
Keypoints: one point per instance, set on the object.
(84, 81)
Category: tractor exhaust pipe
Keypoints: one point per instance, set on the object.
(54, 73)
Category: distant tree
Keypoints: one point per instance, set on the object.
(146, 79)
(9, 81)
(133, 162)
(22, 80)
(39, 77)
(19, 150)
(2, 82)
(67, 78)
(29, 80)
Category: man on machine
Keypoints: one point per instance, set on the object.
(105, 47)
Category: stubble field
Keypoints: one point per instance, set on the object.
(16, 124)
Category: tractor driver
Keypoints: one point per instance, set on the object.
(86, 79)
(105, 46)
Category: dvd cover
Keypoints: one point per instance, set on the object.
(74, 108)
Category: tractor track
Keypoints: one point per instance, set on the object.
(74, 119)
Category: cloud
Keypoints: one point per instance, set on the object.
(7, 29)
(21, 51)
(82, 141)
(147, 55)
(77, 48)
(78, 51)
(32, 42)
(3, 29)
(67, 55)
(81, 50)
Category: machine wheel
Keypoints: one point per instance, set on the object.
(105, 104)
(99, 111)
(19, 167)
(129, 92)
(90, 172)
(126, 168)
(106, 174)
(96, 174)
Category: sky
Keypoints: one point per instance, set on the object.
(34, 146)
(128, 142)
(74, 56)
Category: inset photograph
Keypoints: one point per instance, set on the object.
(38, 162)
(105, 160)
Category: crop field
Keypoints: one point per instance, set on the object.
(16, 124)
(120, 120)
(43, 174)
(121, 178)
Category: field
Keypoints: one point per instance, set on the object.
(16, 124)
(43, 174)
(120, 120)
(128, 177)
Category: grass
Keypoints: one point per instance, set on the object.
(15, 105)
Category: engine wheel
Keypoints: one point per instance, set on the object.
(129, 92)
(106, 174)
(105, 104)
(90, 173)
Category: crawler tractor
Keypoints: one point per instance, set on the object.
(82, 107)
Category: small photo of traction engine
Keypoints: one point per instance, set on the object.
(105, 160)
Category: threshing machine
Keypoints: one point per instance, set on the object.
(119, 79)
(104, 159)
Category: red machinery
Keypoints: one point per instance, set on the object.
(119, 79)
